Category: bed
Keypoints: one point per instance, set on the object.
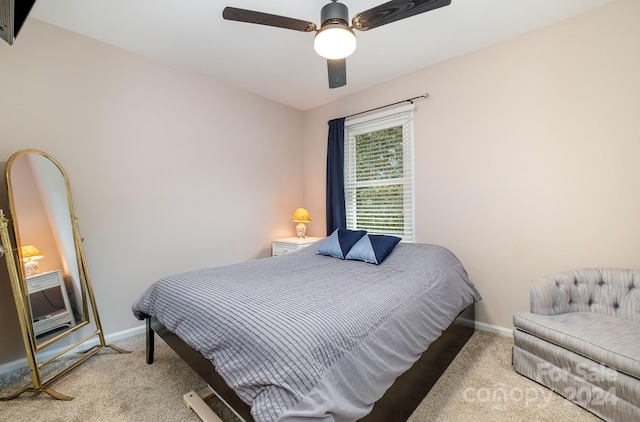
(309, 337)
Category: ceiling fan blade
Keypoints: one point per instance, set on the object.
(393, 11)
(337, 72)
(250, 16)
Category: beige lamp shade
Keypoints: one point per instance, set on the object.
(301, 216)
(30, 252)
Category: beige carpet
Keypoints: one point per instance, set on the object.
(479, 385)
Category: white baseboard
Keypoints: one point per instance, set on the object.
(5, 368)
(124, 333)
(496, 329)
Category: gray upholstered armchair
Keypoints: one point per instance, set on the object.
(582, 339)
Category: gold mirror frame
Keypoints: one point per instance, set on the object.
(19, 286)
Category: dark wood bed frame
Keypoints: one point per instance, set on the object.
(397, 404)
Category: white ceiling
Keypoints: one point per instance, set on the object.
(281, 64)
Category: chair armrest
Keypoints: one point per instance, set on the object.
(559, 293)
(546, 297)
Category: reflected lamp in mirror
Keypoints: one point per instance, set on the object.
(30, 256)
(301, 216)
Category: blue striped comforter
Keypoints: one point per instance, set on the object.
(309, 337)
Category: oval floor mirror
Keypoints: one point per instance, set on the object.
(47, 267)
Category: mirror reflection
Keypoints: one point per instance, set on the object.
(47, 269)
(44, 228)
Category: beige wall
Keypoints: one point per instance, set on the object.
(526, 158)
(526, 153)
(169, 170)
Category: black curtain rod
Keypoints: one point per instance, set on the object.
(408, 100)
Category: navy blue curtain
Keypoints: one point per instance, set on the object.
(336, 214)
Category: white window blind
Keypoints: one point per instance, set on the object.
(379, 173)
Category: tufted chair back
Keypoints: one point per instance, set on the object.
(608, 291)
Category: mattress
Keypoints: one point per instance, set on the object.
(304, 336)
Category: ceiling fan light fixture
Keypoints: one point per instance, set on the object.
(335, 41)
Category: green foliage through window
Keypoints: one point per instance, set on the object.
(379, 175)
(379, 154)
(380, 208)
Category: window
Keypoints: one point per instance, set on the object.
(378, 173)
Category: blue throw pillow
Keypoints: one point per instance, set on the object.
(340, 242)
(373, 248)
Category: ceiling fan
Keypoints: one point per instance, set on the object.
(335, 39)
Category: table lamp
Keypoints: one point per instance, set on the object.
(30, 256)
(301, 216)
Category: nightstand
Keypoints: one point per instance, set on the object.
(59, 318)
(288, 244)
